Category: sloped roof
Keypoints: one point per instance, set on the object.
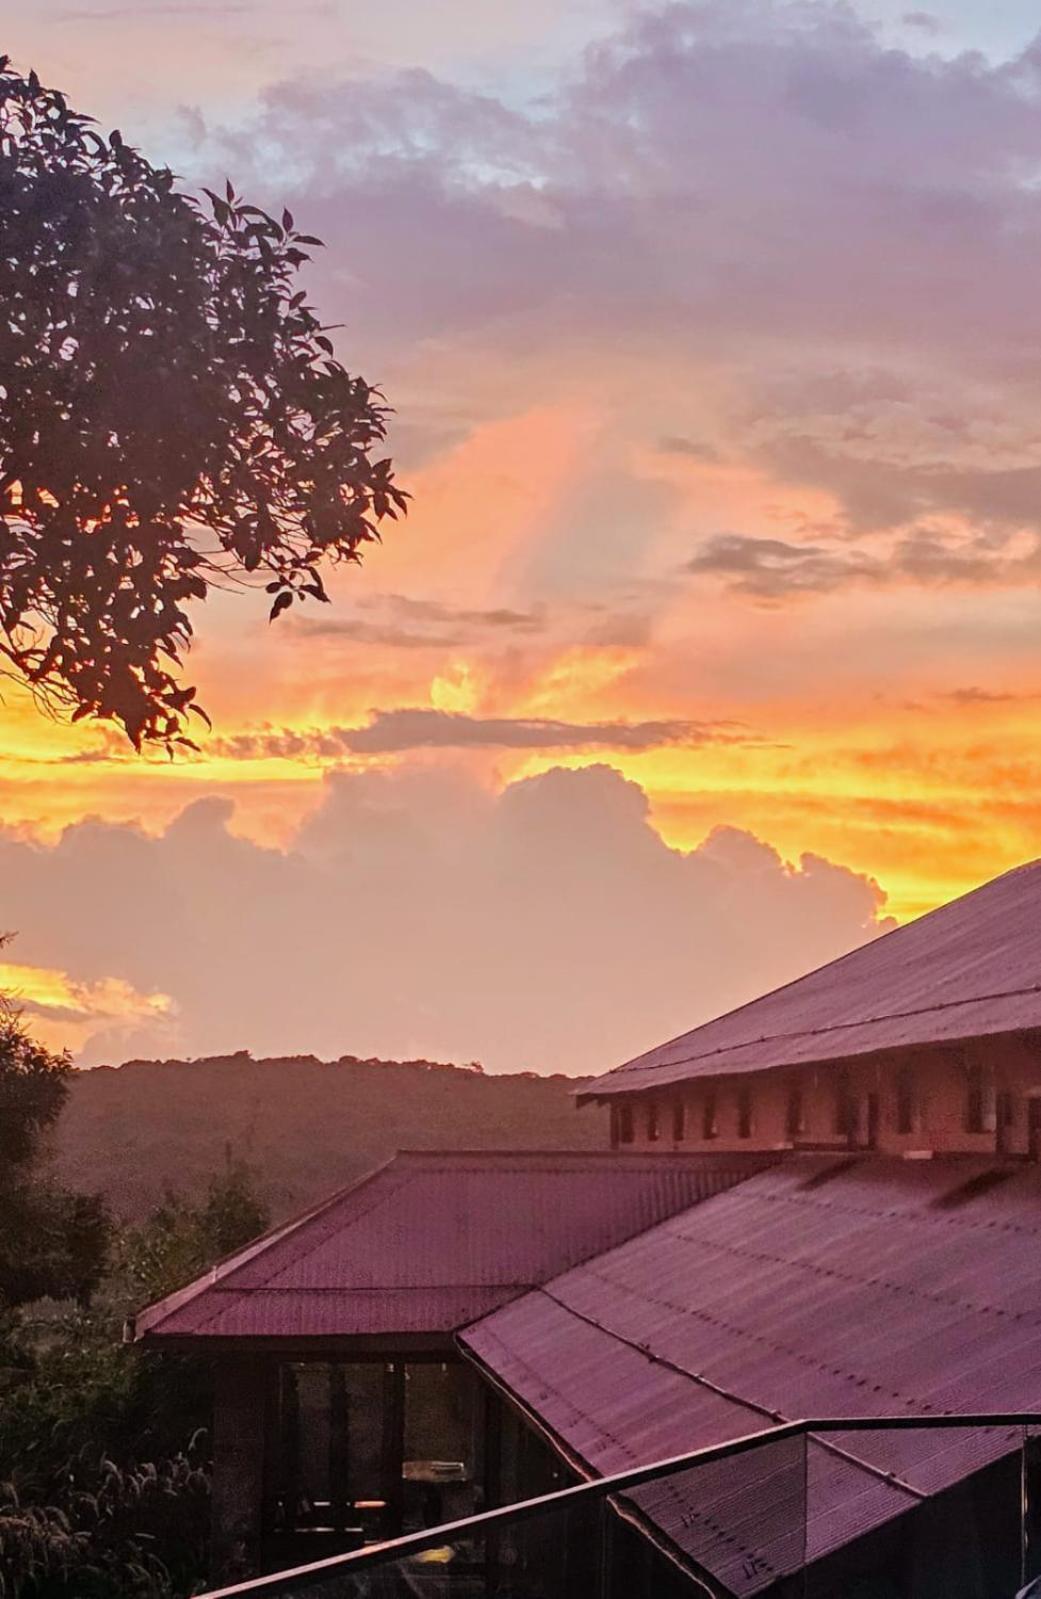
(823, 1286)
(970, 969)
(431, 1241)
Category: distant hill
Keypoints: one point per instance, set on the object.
(306, 1126)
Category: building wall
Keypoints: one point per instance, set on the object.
(969, 1098)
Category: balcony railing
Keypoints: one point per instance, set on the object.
(891, 1507)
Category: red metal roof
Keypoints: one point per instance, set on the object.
(967, 970)
(819, 1287)
(431, 1241)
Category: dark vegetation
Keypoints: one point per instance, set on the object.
(304, 1126)
(172, 416)
(104, 1448)
(104, 1479)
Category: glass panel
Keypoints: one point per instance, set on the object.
(741, 1520)
(874, 1512)
(1031, 1493)
(933, 1513)
(556, 1555)
(439, 1454)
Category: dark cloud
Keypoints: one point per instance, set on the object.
(924, 21)
(416, 914)
(772, 569)
(983, 696)
(407, 623)
(694, 448)
(407, 729)
(396, 732)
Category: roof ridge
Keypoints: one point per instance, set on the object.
(649, 1059)
(836, 1027)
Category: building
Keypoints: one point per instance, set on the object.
(925, 1042)
(827, 1203)
(337, 1368)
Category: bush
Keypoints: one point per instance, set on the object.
(104, 1447)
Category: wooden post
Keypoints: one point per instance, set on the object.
(490, 1434)
(240, 1413)
(393, 1443)
(339, 1445)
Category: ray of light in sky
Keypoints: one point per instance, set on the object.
(713, 339)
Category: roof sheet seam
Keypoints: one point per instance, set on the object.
(937, 1218)
(738, 1333)
(724, 1393)
(670, 1486)
(742, 1251)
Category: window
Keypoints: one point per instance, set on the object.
(981, 1102)
(710, 1116)
(795, 1113)
(625, 1124)
(905, 1100)
(679, 1121)
(744, 1113)
(653, 1128)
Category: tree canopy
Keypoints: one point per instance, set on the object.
(172, 415)
(52, 1241)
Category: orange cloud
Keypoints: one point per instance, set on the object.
(65, 1012)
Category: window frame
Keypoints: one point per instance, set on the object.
(745, 1113)
(906, 1096)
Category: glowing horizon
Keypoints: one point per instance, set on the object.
(709, 349)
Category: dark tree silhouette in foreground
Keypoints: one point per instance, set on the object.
(51, 1241)
(171, 415)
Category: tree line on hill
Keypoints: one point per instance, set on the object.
(306, 1127)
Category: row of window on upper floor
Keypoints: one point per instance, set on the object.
(986, 1110)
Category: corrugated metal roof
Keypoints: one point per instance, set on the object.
(431, 1241)
(968, 970)
(819, 1287)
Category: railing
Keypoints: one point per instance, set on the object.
(928, 1507)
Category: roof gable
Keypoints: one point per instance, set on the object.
(431, 1241)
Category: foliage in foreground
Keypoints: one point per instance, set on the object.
(171, 415)
(104, 1482)
(52, 1242)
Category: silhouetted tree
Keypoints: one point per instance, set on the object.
(182, 1237)
(171, 415)
(51, 1242)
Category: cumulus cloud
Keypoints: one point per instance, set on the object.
(65, 1012)
(415, 913)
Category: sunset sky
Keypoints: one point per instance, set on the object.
(713, 333)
